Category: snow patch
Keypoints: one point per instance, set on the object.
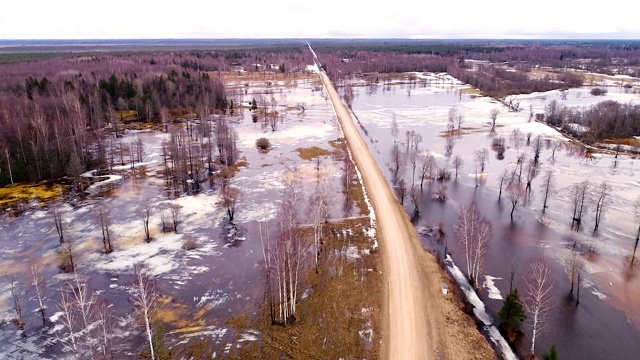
(492, 290)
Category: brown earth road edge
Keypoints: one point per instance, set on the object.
(413, 326)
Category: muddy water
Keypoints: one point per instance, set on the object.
(203, 287)
(604, 325)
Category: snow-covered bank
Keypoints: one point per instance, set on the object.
(479, 310)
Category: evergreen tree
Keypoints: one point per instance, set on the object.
(552, 354)
(512, 314)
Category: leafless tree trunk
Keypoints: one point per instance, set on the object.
(319, 213)
(637, 216)
(539, 298)
(503, 178)
(416, 198)
(66, 256)
(230, 199)
(401, 189)
(146, 215)
(84, 301)
(473, 232)
(537, 147)
(532, 172)
(18, 293)
(413, 159)
(494, 116)
(575, 267)
(601, 200)
(397, 164)
(481, 158)
(105, 328)
(427, 168)
(40, 287)
(457, 164)
(548, 187)
(105, 221)
(176, 216)
(517, 139)
(579, 202)
(144, 299)
(57, 218)
(67, 335)
(516, 193)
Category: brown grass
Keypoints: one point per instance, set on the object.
(312, 152)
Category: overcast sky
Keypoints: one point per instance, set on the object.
(133, 19)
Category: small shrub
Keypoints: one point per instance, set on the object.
(190, 243)
(598, 91)
(263, 144)
(443, 174)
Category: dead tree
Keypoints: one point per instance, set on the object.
(146, 216)
(538, 299)
(105, 221)
(105, 327)
(473, 232)
(516, 193)
(548, 187)
(457, 164)
(579, 202)
(40, 287)
(144, 298)
(427, 168)
(67, 263)
(575, 267)
(531, 173)
(601, 201)
(18, 293)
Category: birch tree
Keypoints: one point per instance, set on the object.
(18, 293)
(84, 303)
(538, 298)
(427, 168)
(602, 196)
(548, 187)
(473, 232)
(39, 287)
(319, 214)
(144, 298)
(67, 334)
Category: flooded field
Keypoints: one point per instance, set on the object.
(205, 276)
(606, 323)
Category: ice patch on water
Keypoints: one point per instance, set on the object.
(492, 290)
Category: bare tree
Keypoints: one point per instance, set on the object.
(457, 164)
(57, 218)
(601, 201)
(105, 221)
(413, 160)
(494, 116)
(555, 145)
(473, 232)
(18, 293)
(401, 190)
(427, 168)
(397, 163)
(548, 187)
(579, 203)
(176, 216)
(84, 303)
(394, 126)
(319, 214)
(105, 328)
(145, 301)
(503, 177)
(516, 193)
(517, 139)
(575, 266)
(539, 298)
(66, 256)
(40, 287)
(532, 172)
(480, 158)
(230, 200)
(146, 216)
(67, 334)
(441, 193)
(537, 148)
(416, 198)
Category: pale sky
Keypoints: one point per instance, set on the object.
(133, 19)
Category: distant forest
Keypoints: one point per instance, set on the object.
(56, 107)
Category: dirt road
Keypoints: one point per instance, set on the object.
(412, 320)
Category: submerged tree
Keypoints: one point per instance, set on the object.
(40, 287)
(473, 232)
(601, 198)
(548, 187)
(457, 164)
(144, 298)
(579, 202)
(516, 193)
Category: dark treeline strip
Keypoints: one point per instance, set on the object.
(605, 120)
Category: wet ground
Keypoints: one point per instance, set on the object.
(606, 323)
(201, 288)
